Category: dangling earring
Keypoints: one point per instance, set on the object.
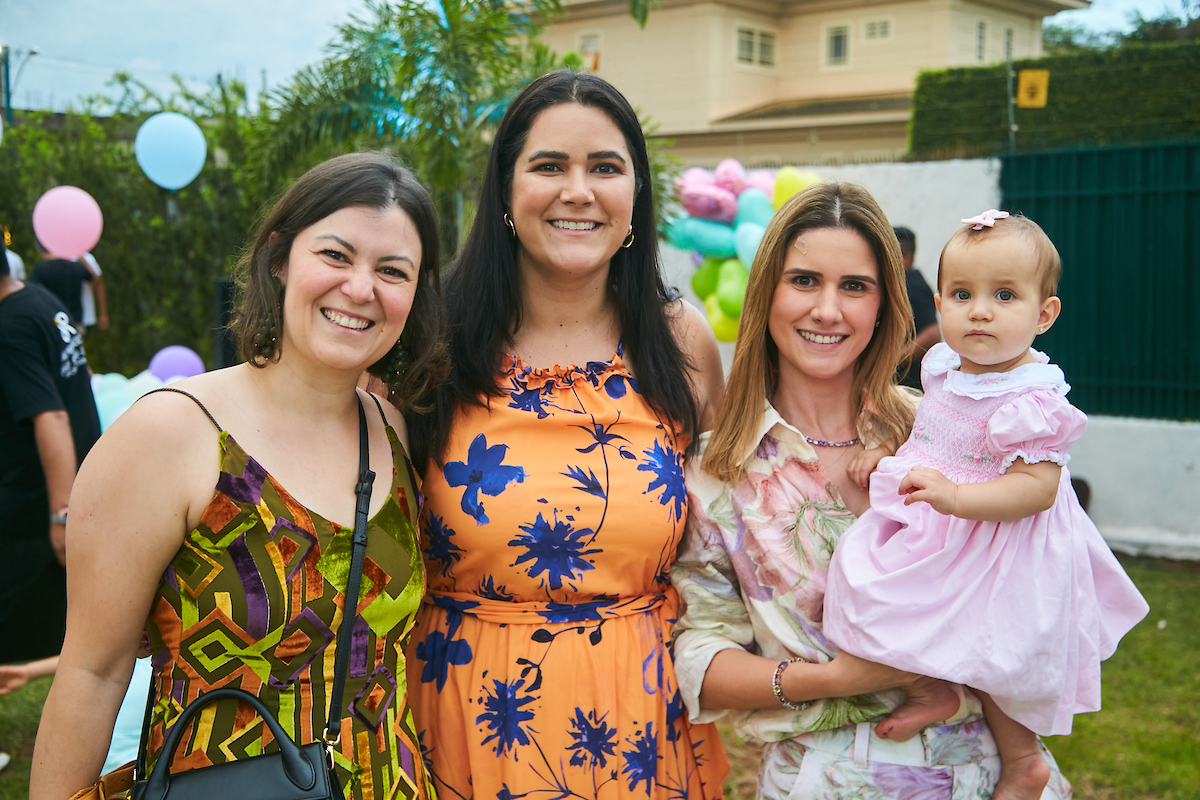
(512, 230)
(267, 334)
(395, 364)
(628, 238)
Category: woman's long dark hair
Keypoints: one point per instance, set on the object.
(482, 287)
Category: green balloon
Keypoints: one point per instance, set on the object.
(731, 287)
(704, 279)
(724, 328)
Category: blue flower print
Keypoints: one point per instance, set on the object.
(440, 548)
(439, 651)
(556, 550)
(641, 763)
(675, 710)
(504, 715)
(527, 399)
(668, 475)
(585, 611)
(601, 436)
(483, 472)
(489, 589)
(614, 387)
(588, 482)
(594, 740)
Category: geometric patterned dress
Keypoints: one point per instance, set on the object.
(541, 664)
(254, 599)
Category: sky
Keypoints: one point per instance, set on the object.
(81, 43)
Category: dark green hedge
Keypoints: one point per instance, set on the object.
(1130, 94)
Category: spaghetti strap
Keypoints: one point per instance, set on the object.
(382, 416)
(197, 402)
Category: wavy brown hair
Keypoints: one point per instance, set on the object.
(370, 180)
(754, 376)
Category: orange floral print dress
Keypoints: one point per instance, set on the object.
(541, 666)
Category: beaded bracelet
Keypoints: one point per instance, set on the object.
(777, 687)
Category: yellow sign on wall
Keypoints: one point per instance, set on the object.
(1033, 85)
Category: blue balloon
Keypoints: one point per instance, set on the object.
(170, 149)
(754, 206)
(746, 239)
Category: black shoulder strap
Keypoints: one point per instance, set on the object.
(192, 398)
(366, 479)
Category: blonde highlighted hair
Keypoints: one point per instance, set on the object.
(754, 376)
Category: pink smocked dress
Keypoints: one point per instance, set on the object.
(1023, 610)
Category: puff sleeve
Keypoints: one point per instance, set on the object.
(1040, 425)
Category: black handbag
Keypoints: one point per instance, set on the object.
(303, 772)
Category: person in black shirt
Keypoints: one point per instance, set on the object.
(920, 296)
(48, 423)
(64, 279)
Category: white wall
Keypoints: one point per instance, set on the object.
(1144, 474)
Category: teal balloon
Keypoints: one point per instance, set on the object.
(747, 237)
(170, 149)
(754, 206)
(110, 406)
(712, 239)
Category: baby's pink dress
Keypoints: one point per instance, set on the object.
(1023, 610)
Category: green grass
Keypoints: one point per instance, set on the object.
(19, 715)
(1144, 745)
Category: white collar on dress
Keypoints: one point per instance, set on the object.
(1041, 374)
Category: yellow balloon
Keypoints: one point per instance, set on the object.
(789, 181)
(723, 327)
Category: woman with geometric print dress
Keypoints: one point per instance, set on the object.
(540, 666)
(242, 585)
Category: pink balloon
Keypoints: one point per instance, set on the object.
(730, 176)
(709, 202)
(67, 221)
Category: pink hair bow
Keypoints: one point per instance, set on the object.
(987, 218)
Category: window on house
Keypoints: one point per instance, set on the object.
(589, 51)
(745, 45)
(1008, 44)
(837, 45)
(980, 39)
(879, 29)
(766, 49)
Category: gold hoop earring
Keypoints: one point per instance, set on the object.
(628, 239)
(512, 230)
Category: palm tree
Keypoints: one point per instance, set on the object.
(428, 80)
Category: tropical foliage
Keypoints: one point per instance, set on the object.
(427, 81)
(160, 251)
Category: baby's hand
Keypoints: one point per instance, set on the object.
(863, 464)
(925, 485)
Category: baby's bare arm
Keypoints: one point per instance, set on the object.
(1025, 490)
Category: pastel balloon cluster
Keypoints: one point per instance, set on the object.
(114, 392)
(727, 213)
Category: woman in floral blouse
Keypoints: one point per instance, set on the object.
(810, 408)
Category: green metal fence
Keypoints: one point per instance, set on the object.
(1126, 221)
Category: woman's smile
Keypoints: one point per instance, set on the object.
(346, 320)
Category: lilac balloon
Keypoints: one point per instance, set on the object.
(174, 361)
(67, 221)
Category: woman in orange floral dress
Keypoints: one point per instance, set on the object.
(540, 666)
